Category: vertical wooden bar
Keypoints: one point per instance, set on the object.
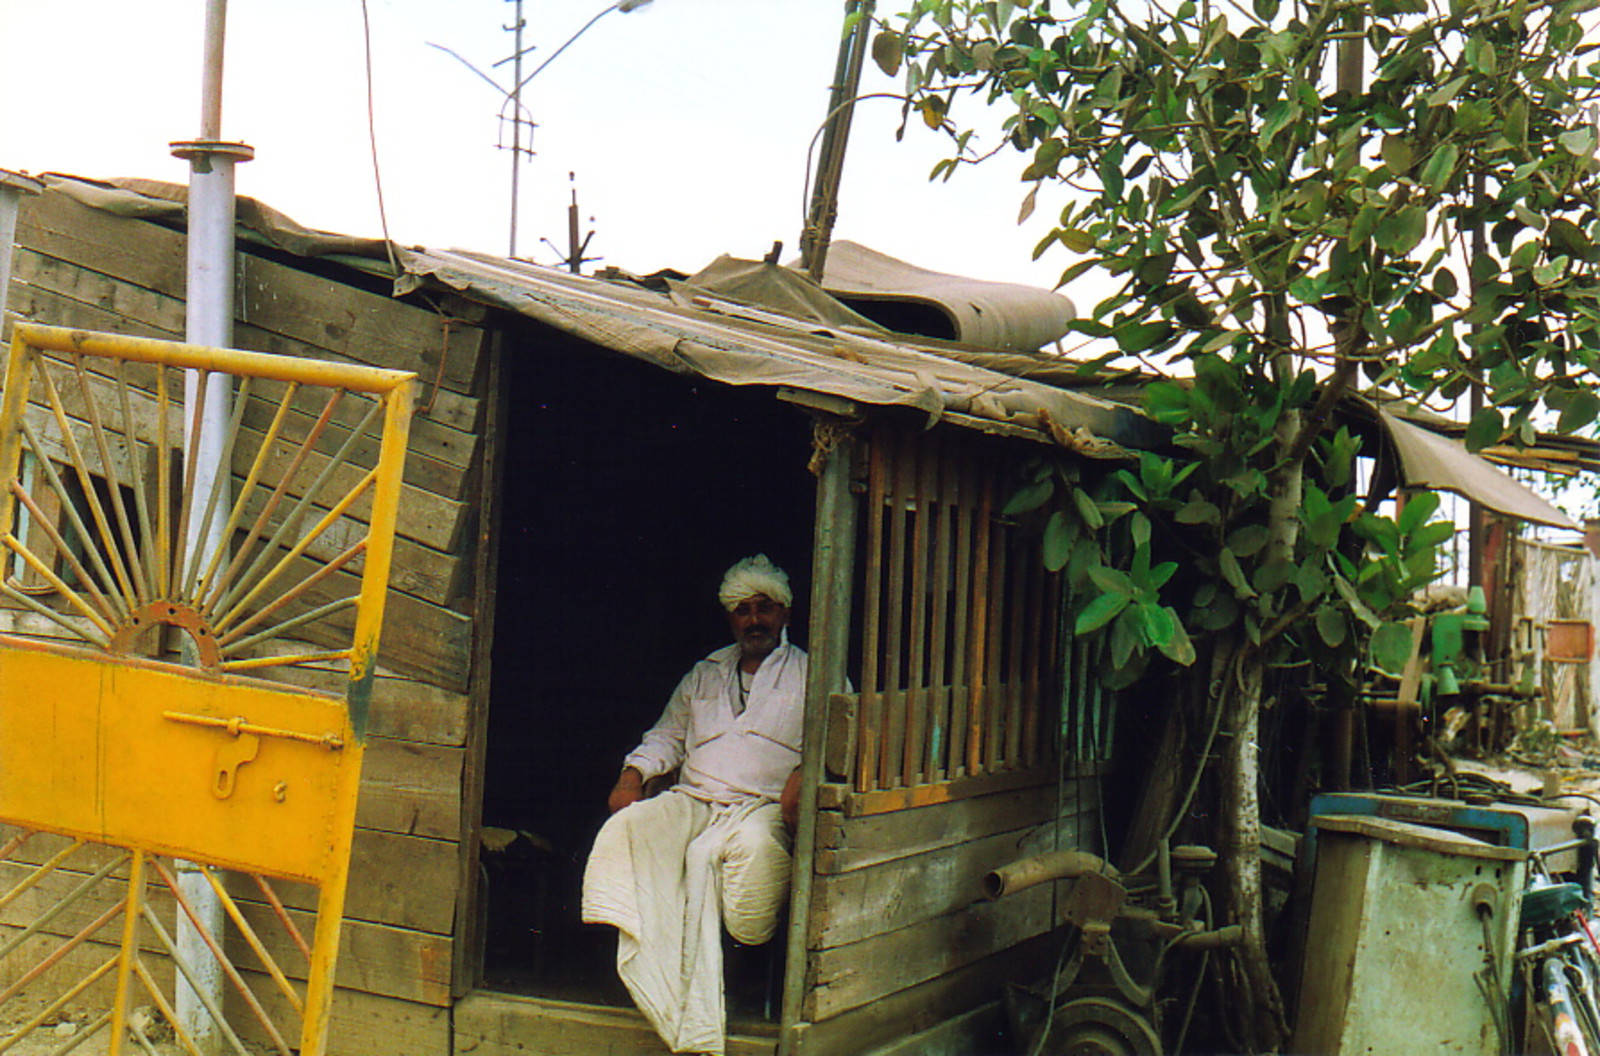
(1025, 570)
(918, 682)
(1043, 645)
(940, 679)
(961, 630)
(833, 574)
(870, 713)
(471, 919)
(893, 678)
(982, 608)
(999, 704)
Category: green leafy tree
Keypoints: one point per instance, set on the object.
(1300, 203)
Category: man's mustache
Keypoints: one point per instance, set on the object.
(756, 628)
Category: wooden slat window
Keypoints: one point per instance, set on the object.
(959, 621)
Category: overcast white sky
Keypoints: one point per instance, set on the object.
(687, 124)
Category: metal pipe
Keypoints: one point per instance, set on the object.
(1041, 868)
(208, 322)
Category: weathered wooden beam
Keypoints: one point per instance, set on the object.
(884, 800)
(851, 976)
(411, 788)
(404, 709)
(921, 1007)
(854, 906)
(494, 1024)
(846, 843)
(833, 560)
(485, 565)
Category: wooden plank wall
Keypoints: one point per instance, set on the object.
(941, 767)
(81, 267)
(900, 938)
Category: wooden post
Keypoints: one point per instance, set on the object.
(832, 577)
(467, 967)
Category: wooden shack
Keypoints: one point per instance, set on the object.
(586, 459)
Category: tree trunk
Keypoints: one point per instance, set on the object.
(1264, 1021)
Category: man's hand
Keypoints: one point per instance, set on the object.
(789, 802)
(628, 789)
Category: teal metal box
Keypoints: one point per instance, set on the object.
(1410, 941)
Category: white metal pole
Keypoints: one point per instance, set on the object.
(209, 321)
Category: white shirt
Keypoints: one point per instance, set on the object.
(723, 753)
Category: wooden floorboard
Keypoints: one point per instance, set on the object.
(495, 1024)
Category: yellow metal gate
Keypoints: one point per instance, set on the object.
(133, 745)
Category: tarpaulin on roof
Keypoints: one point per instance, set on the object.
(166, 203)
(741, 345)
(757, 283)
(999, 315)
(695, 332)
(1429, 460)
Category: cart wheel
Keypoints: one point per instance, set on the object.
(1097, 1026)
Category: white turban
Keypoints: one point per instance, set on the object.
(752, 576)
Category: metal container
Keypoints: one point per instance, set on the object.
(1410, 941)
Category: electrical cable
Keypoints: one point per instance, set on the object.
(372, 138)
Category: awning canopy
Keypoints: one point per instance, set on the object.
(1429, 460)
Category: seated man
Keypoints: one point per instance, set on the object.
(668, 872)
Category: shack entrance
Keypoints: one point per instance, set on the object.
(627, 493)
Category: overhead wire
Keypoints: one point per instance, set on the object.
(372, 139)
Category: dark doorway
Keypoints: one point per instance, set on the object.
(628, 491)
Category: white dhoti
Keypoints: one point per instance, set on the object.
(668, 873)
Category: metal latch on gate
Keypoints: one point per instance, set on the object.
(244, 743)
